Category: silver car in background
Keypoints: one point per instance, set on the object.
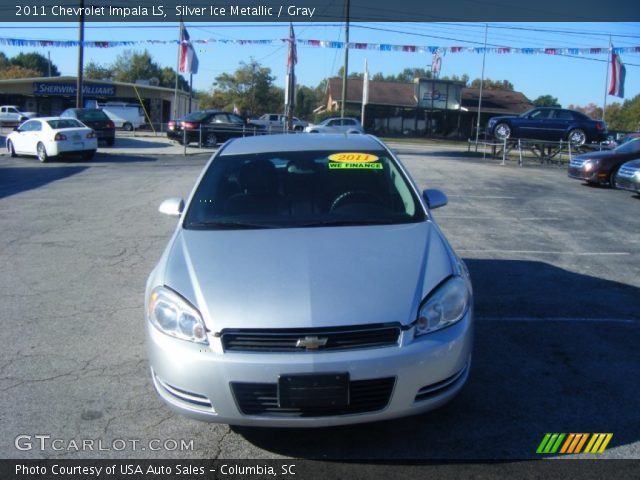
(307, 285)
(336, 125)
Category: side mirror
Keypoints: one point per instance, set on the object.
(172, 206)
(16, 129)
(435, 198)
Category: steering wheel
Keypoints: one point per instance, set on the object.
(355, 196)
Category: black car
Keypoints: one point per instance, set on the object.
(210, 127)
(97, 120)
(548, 123)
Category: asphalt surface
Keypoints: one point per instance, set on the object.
(555, 266)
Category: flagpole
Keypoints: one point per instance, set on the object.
(175, 91)
(484, 56)
(365, 91)
(606, 80)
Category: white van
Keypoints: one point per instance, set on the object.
(124, 115)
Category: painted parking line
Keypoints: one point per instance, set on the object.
(559, 319)
(498, 197)
(545, 252)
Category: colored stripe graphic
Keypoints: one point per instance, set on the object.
(550, 443)
(574, 443)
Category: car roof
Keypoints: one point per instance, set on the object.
(301, 142)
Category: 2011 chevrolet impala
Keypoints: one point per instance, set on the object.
(306, 285)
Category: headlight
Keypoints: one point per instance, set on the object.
(171, 314)
(444, 307)
(590, 165)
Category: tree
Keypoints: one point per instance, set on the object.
(130, 66)
(592, 110)
(14, 71)
(4, 61)
(36, 62)
(250, 88)
(95, 71)
(307, 100)
(546, 101)
(489, 84)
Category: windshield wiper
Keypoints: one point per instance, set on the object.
(230, 225)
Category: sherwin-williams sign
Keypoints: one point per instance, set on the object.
(95, 90)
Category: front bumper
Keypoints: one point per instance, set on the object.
(630, 184)
(195, 380)
(591, 177)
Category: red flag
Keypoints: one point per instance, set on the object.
(293, 52)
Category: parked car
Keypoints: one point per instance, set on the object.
(306, 285)
(602, 167)
(276, 122)
(336, 125)
(124, 115)
(548, 123)
(211, 127)
(11, 115)
(628, 176)
(97, 120)
(49, 137)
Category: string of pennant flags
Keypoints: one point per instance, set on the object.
(382, 47)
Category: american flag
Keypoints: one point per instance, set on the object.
(616, 87)
(188, 59)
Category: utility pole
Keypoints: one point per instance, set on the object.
(345, 70)
(80, 57)
(49, 58)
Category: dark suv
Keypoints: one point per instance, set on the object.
(97, 120)
(548, 123)
(210, 127)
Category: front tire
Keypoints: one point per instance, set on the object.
(127, 127)
(612, 178)
(577, 137)
(502, 131)
(42, 153)
(12, 151)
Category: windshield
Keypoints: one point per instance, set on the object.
(302, 189)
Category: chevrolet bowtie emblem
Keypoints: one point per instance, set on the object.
(311, 343)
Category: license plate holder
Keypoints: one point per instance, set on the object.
(329, 390)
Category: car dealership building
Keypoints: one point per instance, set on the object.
(51, 95)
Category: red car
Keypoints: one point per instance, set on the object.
(601, 167)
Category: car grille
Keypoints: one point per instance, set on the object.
(577, 162)
(262, 399)
(627, 172)
(294, 340)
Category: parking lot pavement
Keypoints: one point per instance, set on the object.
(555, 267)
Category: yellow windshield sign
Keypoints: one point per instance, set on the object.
(353, 157)
(355, 166)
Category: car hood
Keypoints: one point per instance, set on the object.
(502, 117)
(633, 164)
(313, 277)
(596, 155)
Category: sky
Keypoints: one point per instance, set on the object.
(577, 81)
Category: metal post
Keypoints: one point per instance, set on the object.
(200, 135)
(569, 152)
(520, 152)
(345, 71)
(80, 57)
(184, 140)
(504, 151)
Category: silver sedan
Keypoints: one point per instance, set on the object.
(307, 285)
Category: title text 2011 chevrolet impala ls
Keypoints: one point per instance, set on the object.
(307, 285)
